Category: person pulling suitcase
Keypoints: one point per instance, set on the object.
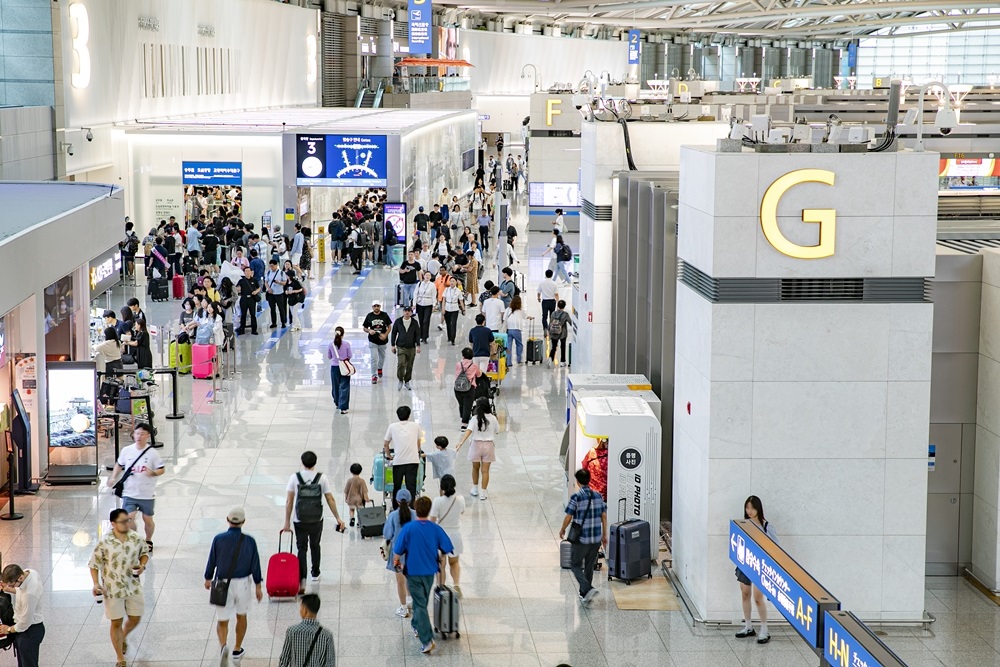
(587, 521)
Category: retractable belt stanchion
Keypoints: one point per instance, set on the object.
(113, 416)
(215, 381)
(11, 515)
(175, 414)
(217, 366)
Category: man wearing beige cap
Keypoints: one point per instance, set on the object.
(234, 558)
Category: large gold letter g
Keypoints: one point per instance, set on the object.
(826, 217)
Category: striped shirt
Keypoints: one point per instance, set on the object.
(298, 639)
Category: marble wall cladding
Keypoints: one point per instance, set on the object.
(820, 408)
(986, 508)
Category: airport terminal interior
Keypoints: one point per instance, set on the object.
(746, 415)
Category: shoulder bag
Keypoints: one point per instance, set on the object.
(312, 646)
(119, 487)
(218, 594)
(576, 528)
(346, 367)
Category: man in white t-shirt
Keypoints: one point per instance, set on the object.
(548, 295)
(307, 514)
(143, 465)
(405, 438)
(493, 309)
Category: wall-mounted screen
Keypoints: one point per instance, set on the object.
(554, 194)
(342, 161)
(212, 173)
(395, 215)
(469, 159)
(969, 174)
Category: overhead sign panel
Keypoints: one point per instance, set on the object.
(341, 160)
(212, 173)
(105, 271)
(633, 47)
(799, 597)
(850, 644)
(420, 26)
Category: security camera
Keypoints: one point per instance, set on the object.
(69, 149)
(945, 120)
(90, 134)
(945, 131)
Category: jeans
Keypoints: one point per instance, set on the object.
(561, 270)
(424, 316)
(582, 560)
(451, 322)
(279, 302)
(548, 307)
(404, 474)
(465, 400)
(408, 292)
(420, 589)
(27, 645)
(307, 536)
(561, 344)
(390, 256)
(516, 344)
(341, 388)
(404, 363)
(378, 356)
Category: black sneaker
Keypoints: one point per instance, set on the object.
(763, 639)
(352, 522)
(746, 632)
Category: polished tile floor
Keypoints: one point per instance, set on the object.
(519, 608)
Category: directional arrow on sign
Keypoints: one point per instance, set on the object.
(732, 542)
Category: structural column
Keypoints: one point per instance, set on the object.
(803, 359)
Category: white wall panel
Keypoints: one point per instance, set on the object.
(263, 45)
(499, 58)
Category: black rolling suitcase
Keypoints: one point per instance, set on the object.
(446, 615)
(535, 353)
(628, 551)
(159, 289)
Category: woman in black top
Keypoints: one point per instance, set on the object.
(295, 294)
(139, 345)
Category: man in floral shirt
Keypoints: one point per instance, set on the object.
(118, 560)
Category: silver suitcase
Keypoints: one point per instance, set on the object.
(446, 613)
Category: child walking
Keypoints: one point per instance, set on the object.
(443, 459)
(356, 490)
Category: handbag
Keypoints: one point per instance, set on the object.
(218, 594)
(119, 487)
(575, 528)
(346, 367)
(384, 550)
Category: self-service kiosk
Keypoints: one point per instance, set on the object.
(633, 437)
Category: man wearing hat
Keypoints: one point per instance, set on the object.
(234, 557)
(377, 324)
(405, 345)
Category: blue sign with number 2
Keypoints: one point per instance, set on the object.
(633, 47)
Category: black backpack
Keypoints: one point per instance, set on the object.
(132, 245)
(565, 253)
(363, 239)
(7, 618)
(309, 500)
(517, 290)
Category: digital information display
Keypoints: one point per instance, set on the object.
(554, 194)
(212, 173)
(342, 161)
(395, 215)
(849, 643)
(799, 597)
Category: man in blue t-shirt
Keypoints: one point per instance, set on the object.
(422, 542)
(480, 336)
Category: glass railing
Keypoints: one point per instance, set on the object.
(430, 84)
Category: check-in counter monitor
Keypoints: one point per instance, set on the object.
(633, 438)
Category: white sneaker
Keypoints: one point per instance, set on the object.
(224, 657)
(474, 492)
(402, 612)
(483, 495)
(316, 578)
(238, 657)
(589, 597)
(399, 386)
(407, 385)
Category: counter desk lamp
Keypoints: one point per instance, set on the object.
(945, 120)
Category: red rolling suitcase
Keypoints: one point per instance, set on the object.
(178, 286)
(282, 580)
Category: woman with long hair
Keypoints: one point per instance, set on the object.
(139, 344)
(425, 295)
(397, 519)
(446, 511)
(108, 353)
(340, 350)
(483, 450)
(514, 318)
(753, 510)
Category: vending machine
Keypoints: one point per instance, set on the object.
(632, 434)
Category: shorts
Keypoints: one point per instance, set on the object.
(482, 451)
(336, 245)
(133, 605)
(296, 258)
(143, 505)
(456, 542)
(238, 601)
(193, 254)
(742, 578)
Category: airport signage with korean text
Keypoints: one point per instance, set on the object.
(420, 14)
(212, 173)
(850, 644)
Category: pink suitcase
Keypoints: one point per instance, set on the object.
(282, 578)
(201, 361)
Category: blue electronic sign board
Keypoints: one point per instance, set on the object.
(212, 173)
(799, 598)
(420, 26)
(850, 644)
(340, 161)
(633, 47)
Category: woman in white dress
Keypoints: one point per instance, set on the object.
(446, 511)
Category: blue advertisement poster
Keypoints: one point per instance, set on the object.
(633, 47)
(420, 26)
(212, 173)
(340, 160)
(783, 588)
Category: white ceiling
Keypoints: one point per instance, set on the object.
(800, 19)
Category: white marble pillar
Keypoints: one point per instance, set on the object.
(819, 406)
(986, 501)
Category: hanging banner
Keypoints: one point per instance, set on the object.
(633, 47)
(420, 27)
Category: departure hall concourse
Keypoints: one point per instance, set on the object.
(512, 333)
